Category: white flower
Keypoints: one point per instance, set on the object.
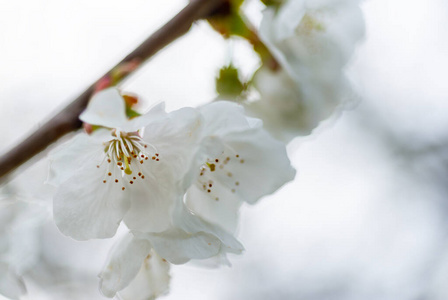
(237, 162)
(311, 36)
(240, 163)
(119, 174)
(312, 40)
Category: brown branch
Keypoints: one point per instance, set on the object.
(67, 120)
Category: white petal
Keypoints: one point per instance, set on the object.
(72, 155)
(84, 207)
(152, 199)
(210, 146)
(11, 285)
(178, 246)
(254, 122)
(24, 236)
(213, 262)
(191, 238)
(277, 26)
(222, 117)
(222, 210)
(123, 264)
(192, 224)
(285, 108)
(176, 139)
(151, 204)
(176, 136)
(20, 225)
(152, 280)
(155, 114)
(106, 108)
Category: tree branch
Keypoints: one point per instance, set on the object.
(67, 120)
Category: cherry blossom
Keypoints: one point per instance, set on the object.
(109, 175)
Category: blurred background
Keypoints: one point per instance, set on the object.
(367, 215)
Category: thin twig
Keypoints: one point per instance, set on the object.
(67, 120)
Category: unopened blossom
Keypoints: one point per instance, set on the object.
(313, 41)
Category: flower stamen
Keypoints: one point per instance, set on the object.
(222, 167)
(123, 152)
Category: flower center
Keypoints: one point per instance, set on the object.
(220, 168)
(124, 154)
(308, 24)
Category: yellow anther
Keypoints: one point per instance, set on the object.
(211, 166)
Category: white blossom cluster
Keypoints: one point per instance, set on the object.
(176, 180)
